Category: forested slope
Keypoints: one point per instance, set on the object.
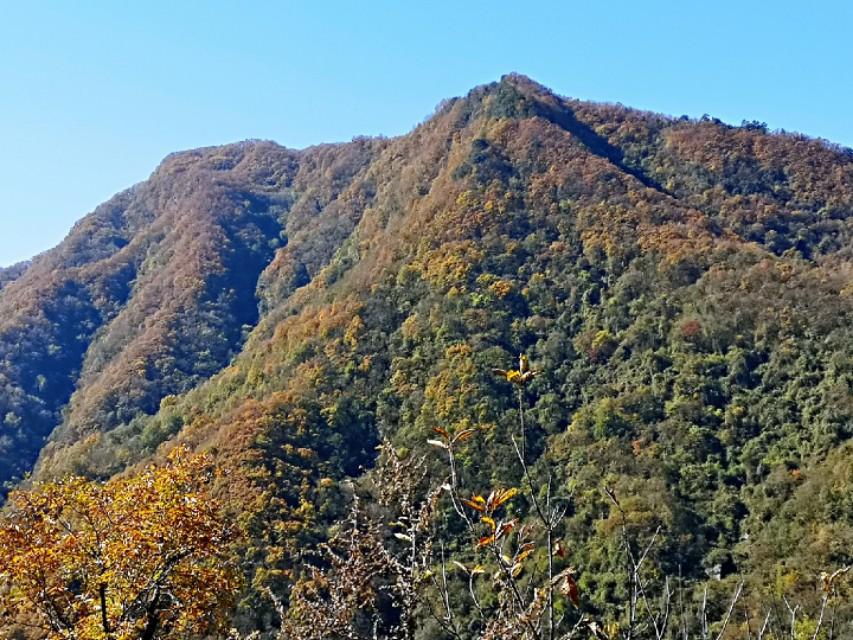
(683, 286)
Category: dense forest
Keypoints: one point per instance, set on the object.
(327, 323)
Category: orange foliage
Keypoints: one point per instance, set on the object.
(139, 557)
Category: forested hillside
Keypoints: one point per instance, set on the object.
(10, 274)
(683, 288)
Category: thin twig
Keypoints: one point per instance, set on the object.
(731, 608)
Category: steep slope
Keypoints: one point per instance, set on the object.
(153, 292)
(684, 286)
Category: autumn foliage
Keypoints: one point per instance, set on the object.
(682, 287)
(139, 557)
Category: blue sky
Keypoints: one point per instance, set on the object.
(94, 94)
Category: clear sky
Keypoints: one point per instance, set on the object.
(94, 94)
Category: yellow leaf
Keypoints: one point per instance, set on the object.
(476, 502)
(499, 497)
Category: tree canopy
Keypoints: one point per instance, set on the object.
(141, 557)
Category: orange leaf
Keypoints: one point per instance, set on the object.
(443, 433)
(487, 540)
(465, 434)
(506, 528)
(524, 551)
(569, 588)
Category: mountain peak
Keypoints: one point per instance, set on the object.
(525, 84)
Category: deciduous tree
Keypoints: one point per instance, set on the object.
(140, 557)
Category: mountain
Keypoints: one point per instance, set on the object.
(12, 273)
(683, 286)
